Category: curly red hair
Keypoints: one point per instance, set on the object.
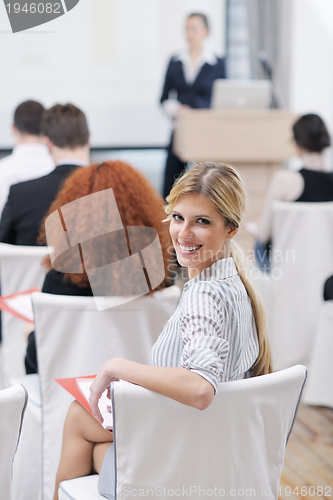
(138, 203)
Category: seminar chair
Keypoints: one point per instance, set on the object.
(234, 448)
(302, 257)
(319, 388)
(20, 270)
(13, 402)
(75, 339)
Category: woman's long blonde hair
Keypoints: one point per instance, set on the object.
(223, 186)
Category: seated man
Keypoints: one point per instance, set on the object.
(30, 157)
(67, 137)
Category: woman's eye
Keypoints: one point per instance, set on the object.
(177, 217)
(203, 221)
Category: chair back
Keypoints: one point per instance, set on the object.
(319, 387)
(234, 448)
(302, 235)
(74, 339)
(13, 402)
(20, 269)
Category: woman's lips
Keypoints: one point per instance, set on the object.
(188, 249)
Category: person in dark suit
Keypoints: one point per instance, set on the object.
(188, 84)
(67, 137)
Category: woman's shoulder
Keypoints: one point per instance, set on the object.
(286, 185)
(220, 61)
(174, 59)
(284, 175)
(217, 291)
(203, 291)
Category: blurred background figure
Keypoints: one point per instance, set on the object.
(188, 84)
(67, 137)
(30, 157)
(328, 289)
(312, 183)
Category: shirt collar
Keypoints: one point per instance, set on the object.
(32, 148)
(72, 162)
(207, 56)
(219, 270)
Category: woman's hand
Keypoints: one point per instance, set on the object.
(183, 108)
(179, 384)
(105, 376)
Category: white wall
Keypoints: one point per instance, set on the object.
(106, 56)
(311, 58)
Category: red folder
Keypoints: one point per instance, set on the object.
(72, 386)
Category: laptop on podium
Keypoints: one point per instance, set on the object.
(241, 94)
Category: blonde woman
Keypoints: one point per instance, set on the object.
(217, 333)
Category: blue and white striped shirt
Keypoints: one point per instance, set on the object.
(212, 332)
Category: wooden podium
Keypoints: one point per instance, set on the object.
(256, 142)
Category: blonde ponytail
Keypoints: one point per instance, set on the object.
(263, 365)
(223, 186)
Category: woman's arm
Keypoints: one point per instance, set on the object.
(180, 384)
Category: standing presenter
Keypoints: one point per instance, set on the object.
(188, 84)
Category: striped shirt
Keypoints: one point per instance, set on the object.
(212, 332)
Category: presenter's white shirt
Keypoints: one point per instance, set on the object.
(27, 161)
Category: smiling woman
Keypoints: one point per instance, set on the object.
(199, 234)
(216, 334)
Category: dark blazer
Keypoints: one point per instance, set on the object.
(199, 93)
(28, 203)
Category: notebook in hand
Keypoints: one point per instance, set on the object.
(79, 387)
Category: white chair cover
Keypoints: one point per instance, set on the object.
(20, 269)
(319, 388)
(83, 488)
(302, 261)
(237, 445)
(74, 339)
(27, 465)
(13, 402)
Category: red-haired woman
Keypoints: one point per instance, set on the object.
(136, 202)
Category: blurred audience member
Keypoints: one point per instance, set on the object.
(67, 137)
(328, 289)
(313, 183)
(30, 157)
(138, 204)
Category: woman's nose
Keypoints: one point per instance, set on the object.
(185, 231)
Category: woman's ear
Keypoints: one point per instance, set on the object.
(232, 231)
